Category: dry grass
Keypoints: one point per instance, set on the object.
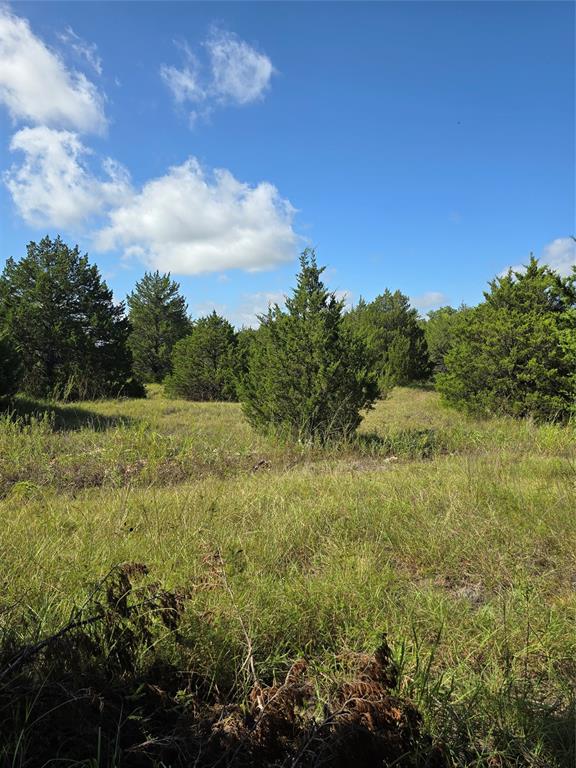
(456, 537)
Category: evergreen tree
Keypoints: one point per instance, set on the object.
(204, 363)
(245, 338)
(390, 329)
(71, 336)
(159, 319)
(10, 367)
(439, 333)
(307, 375)
(515, 353)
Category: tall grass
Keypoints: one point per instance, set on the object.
(455, 537)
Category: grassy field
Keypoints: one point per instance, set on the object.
(455, 537)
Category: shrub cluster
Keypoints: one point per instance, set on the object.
(310, 369)
(205, 363)
(515, 353)
(60, 317)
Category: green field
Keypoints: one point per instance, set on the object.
(455, 537)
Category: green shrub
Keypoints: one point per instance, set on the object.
(308, 376)
(204, 363)
(515, 353)
(390, 329)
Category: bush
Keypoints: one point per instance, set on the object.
(204, 363)
(515, 353)
(439, 334)
(308, 376)
(390, 329)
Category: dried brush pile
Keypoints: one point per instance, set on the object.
(79, 696)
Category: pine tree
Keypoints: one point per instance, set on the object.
(394, 338)
(158, 315)
(515, 353)
(307, 375)
(204, 363)
(61, 315)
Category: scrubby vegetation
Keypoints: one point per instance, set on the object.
(311, 576)
(515, 353)
(308, 377)
(10, 366)
(205, 363)
(454, 536)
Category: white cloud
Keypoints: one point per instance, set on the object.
(245, 313)
(429, 300)
(347, 297)
(560, 255)
(184, 83)
(239, 73)
(207, 307)
(83, 49)
(254, 304)
(54, 186)
(251, 305)
(36, 86)
(230, 72)
(189, 222)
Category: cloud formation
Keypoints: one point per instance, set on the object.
(230, 72)
(190, 221)
(187, 221)
(53, 186)
(36, 86)
(429, 300)
(560, 255)
(240, 74)
(82, 48)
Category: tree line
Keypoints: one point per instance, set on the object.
(309, 369)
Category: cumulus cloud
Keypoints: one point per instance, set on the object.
(54, 186)
(184, 83)
(239, 73)
(560, 255)
(36, 86)
(82, 48)
(429, 300)
(190, 221)
(254, 304)
(229, 72)
(245, 313)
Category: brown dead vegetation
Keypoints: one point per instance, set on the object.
(80, 693)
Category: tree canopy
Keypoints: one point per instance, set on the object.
(61, 316)
(515, 353)
(439, 334)
(158, 315)
(10, 367)
(204, 363)
(395, 341)
(307, 373)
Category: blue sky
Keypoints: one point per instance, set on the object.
(424, 146)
